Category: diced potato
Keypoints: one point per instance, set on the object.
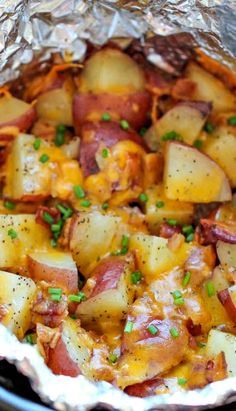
(219, 341)
(16, 295)
(28, 178)
(186, 119)
(210, 89)
(190, 175)
(178, 210)
(91, 237)
(154, 256)
(218, 314)
(54, 267)
(72, 352)
(227, 298)
(221, 147)
(227, 254)
(112, 292)
(30, 236)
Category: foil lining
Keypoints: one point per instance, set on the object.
(30, 28)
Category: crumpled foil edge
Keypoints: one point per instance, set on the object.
(60, 390)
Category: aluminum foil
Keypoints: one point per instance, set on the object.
(41, 27)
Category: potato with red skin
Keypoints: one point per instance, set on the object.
(108, 134)
(133, 108)
(111, 292)
(227, 298)
(144, 389)
(15, 113)
(78, 352)
(146, 355)
(111, 82)
(56, 268)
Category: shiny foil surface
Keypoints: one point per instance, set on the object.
(30, 28)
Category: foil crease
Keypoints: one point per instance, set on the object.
(30, 28)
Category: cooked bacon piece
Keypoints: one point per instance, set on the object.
(210, 231)
(46, 338)
(200, 263)
(48, 312)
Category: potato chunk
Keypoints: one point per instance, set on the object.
(16, 295)
(20, 235)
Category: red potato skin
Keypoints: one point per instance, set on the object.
(59, 361)
(107, 275)
(203, 107)
(144, 389)
(24, 122)
(227, 302)
(67, 279)
(108, 133)
(210, 231)
(132, 107)
(167, 230)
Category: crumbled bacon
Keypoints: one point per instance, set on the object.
(48, 312)
(46, 338)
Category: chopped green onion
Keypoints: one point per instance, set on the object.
(160, 204)
(209, 127)
(186, 279)
(152, 329)
(142, 131)
(143, 197)
(9, 205)
(105, 206)
(56, 297)
(182, 381)
(106, 117)
(53, 242)
(232, 121)
(136, 277)
(56, 227)
(60, 135)
(12, 233)
(187, 229)
(198, 144)
(29, 339)
(179, 301)
(73, 317)
(124, 124)
(172, 221)
(66, 211)
(43, 158)
(85, 203)
(210, 288)
(79, 192)
(201, 344)
(37, 143)
(105, 153)
(178, 298)
(54, 290)
(113, 358)
(171, 135)
(128, 327)
(190, 237)
(176, 294)
(77, 298)
(48, 218)
(125, 241)
(174, 332)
